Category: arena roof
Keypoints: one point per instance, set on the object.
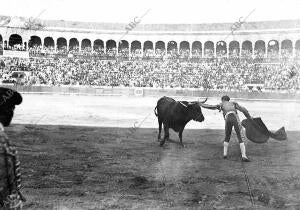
(262, 25)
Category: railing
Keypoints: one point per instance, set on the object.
(154, 92)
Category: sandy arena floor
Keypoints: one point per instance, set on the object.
(78, 152)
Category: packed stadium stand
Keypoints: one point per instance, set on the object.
(204, 56)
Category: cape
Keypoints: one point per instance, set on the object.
(257, 131)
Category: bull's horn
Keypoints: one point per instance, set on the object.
(207, 106)
(202, 102)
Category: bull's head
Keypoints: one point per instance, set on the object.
(195, 110)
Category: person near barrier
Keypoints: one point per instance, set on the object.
(11, 197)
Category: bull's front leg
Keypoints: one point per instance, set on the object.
(166, 134)
(159, 129)
(180, 137)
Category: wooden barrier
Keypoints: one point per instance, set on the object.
(140, 92)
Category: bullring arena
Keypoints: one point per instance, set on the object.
(87, 134)
(78, 152)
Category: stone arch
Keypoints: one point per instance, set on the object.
(208, 49)
(15, 39)
(86, 44)
(172, 46)
(74, 44)
(136, 45)
(48, 42)
(286, 46)
(234, 48)
(61, 43)
(98, 45)
(221, 48)
(34, 41)
(260, 48)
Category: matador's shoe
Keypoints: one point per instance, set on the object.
(245, 159)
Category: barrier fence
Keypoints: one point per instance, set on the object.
(144, 92)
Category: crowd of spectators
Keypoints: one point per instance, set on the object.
(216, 74)
(16, 47)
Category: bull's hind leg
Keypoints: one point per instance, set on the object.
(159, 129)
(180, 137)
(166, 135)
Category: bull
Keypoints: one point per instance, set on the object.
(175, 115)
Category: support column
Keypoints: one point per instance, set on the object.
(42, 43)
(117, 48)
(166, 50)
(129, 50)
(55, 47)
(5, 42)
(215, 49)
(191, 49)
(240, 50)
(104, 47)
(80, 42)
(26, 45)
(293, 48)
(279, 49)
(227, 50)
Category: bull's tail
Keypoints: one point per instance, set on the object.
(155, 111)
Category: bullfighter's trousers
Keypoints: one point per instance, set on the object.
(232, 120)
